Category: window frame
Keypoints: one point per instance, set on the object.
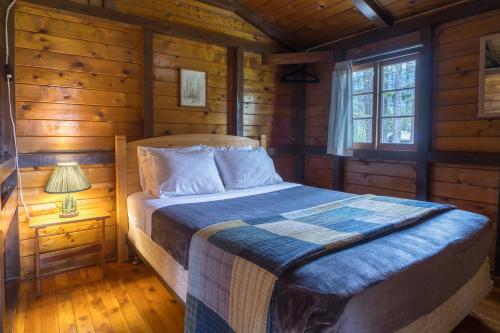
(366, 145)
(377, 105)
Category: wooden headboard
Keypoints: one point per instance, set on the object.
(127, 169)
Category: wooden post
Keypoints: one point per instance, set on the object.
(300, 123)
(424, 113)
(235, 90)
(338, 172)
(37, 262)
(497, 245)
(103, 246)
(148, 84)
(121, 197)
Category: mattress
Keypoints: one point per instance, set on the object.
(407, 272)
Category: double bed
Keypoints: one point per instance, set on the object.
(423, 278)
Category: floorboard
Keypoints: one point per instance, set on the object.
(130, 298)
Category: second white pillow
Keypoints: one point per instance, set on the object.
(241, 169)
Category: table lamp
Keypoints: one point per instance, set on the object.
(67, 178)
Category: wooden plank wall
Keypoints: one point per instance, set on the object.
(456, 126)
(195, 14)
(78, 83)
(269, 108)
(318, 169)
(267, 102)
(172, 53)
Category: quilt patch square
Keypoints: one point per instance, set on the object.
(251, 292)
(213, 287)
(306, 232)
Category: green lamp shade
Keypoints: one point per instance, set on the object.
(67, 178)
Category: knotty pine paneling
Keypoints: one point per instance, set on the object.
(171, 54)
(311, 23)
(195, 14)
(470, 188)
(457, 127)
(318, 168)
(318, 105)
(78, 83)
(90, 91)
(269, 108)
(389, 178)
(318, 171)
(269, 104)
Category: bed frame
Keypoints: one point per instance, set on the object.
(127, 169)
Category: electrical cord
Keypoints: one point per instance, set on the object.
(11, 112)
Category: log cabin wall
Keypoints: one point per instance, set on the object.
(170, 54)
(267, 103)
(80, 81)
(195, 14)
(269, 109)
(456, 126)
(318, 169)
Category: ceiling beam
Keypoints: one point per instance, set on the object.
(373, 12)
(439, 16)
(255, 20)
(298, 58)
(157, 26)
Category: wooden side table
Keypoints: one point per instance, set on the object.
(43, 221)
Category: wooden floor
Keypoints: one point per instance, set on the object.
(131, 299)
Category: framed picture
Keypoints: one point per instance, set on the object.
(193, 88)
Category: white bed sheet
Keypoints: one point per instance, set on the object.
(141, 206)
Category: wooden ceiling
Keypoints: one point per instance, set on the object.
(309, 23)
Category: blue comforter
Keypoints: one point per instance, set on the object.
(439, 255)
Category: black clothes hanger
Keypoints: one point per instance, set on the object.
(300, 75)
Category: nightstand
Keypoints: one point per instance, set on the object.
(43, 221)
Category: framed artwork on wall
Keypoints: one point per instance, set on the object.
(193, 88)
(489, 77)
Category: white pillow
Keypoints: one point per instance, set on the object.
(241, 169)
(174, 173)
(143, 161)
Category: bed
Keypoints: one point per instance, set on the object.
(428, 277)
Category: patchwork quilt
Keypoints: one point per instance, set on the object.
(234, 265)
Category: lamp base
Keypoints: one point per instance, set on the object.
(68, 208)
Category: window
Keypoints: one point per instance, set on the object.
(384, 104)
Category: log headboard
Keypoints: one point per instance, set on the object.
(127, 169)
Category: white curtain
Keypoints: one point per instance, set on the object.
(340, 124)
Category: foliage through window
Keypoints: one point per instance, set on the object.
(384, 104)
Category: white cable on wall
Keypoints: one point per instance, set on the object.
(11, 112)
